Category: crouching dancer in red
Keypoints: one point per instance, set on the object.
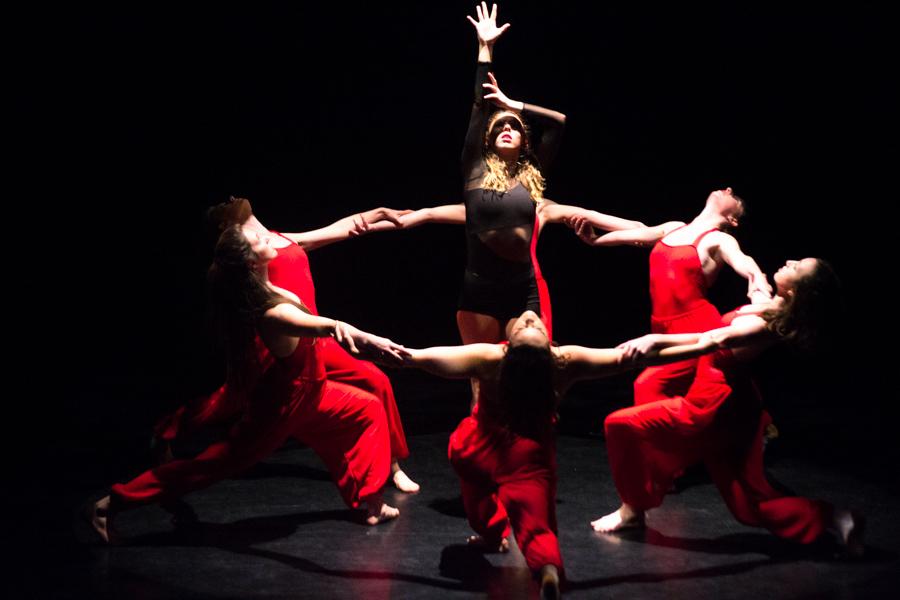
(505, 453)
(290, 270)
(721, 420)
(274, 358)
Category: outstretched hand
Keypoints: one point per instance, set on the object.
(368, 346)
(638, 347)
(583, 229)
(486, 25)
(362, 221)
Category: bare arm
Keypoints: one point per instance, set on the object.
(287, 320)
(758, 288)
(448, 213)
(551, 212)
(347, 227)
(639, 236)
(590, 363)
(457, 362)
(657, 349)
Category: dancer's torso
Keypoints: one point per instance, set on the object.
(290, 270)
(678, 289)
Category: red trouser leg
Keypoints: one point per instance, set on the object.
(348, 430)
(664, 381)
(342, 367)
(742, 482)
(647, 447)
(513, 475)
(483, 510)
(268, 421)
(219, 408)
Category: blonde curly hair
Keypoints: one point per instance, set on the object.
(496, 171)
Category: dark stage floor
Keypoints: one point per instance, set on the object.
(281, 531)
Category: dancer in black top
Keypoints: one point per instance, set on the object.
(504, 206)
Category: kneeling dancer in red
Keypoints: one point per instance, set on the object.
(721, 421)
(273, 351)
(505, 453)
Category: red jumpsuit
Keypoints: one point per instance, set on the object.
(508, 481)
(344, 425)
(720, 422)
(678, 297)
(290, 270)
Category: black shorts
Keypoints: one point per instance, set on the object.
(502, 299)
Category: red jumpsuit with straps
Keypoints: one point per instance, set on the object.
(508, 481)
(720, 421)
(288, 397)
(290, 270)
(678, 297)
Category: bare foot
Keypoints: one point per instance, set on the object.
(549, 582)
(100, 519)
(477, 540)
(624, 517)
(850, 527)
(162, 451)
(381, 512)
(402, 481)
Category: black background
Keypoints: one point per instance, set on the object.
(134, 120)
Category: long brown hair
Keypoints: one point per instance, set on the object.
(806, 317)
(238, 297)
(526, 399)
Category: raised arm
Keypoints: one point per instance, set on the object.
(551, 212)
(348, 227)
(638, 236)
(457, 362)
(488, 33)
(552, 121)
(758, 288)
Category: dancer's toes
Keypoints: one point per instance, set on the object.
(549, 582)
(476, 540)
(100, 519)
(850, 527)
(403, 483)
(623, 518)
(381, 514)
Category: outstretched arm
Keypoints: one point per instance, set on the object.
(287, 319)
(448, 213)
(347, 227)
(590, 363)
(758, 288)
(457, 362)
(551, 212)
(656, 349)
(638, 236)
